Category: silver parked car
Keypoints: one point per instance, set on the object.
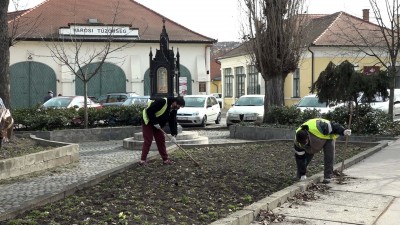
(248, 108)
(136, 100)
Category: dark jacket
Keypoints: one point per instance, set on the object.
(168, 116)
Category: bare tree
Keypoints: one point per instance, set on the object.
(381, 41)
(273, 34)
(4, 54)
(391, 36)
(11, 29)
(76, 52)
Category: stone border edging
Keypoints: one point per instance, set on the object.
(72, 188)
(61, 154)
(272, 133)
(249, 213)
(85, 135)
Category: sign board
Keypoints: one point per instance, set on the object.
(368, 70)
(182, 86)
(100, 31)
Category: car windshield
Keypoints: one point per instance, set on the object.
(311, 102)
(58, 102)
(250, 101)
(194, 101)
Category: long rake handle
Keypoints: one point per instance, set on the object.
(180, 147)
(345, 146)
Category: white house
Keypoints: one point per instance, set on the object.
(34, 70)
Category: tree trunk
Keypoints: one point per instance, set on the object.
(274, 95)
(4, 55)
(392, 75)
(85, 108)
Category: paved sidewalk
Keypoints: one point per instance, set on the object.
(372, 196)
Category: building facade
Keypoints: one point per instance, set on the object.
(85, 28)
(331, 38)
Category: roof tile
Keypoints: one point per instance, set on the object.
(46, 18)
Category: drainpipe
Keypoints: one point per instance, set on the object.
(312, 68)
(212, 81)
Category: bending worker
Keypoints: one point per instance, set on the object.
(155, 116)
(311, 137)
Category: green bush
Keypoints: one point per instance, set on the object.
(36, 118)
(365, 119)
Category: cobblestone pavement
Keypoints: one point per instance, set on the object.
(95, 158)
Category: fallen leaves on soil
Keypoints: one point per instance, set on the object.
(230, 178)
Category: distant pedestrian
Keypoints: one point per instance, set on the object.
(155, 117)
(311, 137)
(48, 96)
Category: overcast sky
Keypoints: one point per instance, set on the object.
(219, 19)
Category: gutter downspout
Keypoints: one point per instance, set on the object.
(212, 81)
(312, 68)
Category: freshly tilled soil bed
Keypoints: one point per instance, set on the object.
(229, 178)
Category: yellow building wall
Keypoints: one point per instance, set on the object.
(320, 64)
(216, 87)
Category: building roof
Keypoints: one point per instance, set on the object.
(337, 29)
(44, 20)
(342, 29)
(215, 69)
(238, 51)
(12, 15)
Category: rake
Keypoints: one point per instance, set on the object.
(180, 147)
(345, 146)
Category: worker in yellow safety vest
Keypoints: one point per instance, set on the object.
(311, 137)
(155, 117)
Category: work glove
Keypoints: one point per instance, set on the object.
(347, 132)
(157, 126)
(173, 139)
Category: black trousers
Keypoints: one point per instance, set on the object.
(302, 161)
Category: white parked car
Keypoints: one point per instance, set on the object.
(248, 108)
(218, 96)
(383, 104)
(70, 102)
(199, 110)
(311, 102)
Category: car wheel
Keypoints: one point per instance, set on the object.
(204, 122)
(218, 119)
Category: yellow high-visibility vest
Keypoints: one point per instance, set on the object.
(312, 128)
(158, 113)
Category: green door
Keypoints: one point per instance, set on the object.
(184, 73)
(30, 82)
(110, 78)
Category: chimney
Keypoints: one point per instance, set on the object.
(366, 14)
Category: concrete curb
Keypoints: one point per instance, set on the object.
(249, 213)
